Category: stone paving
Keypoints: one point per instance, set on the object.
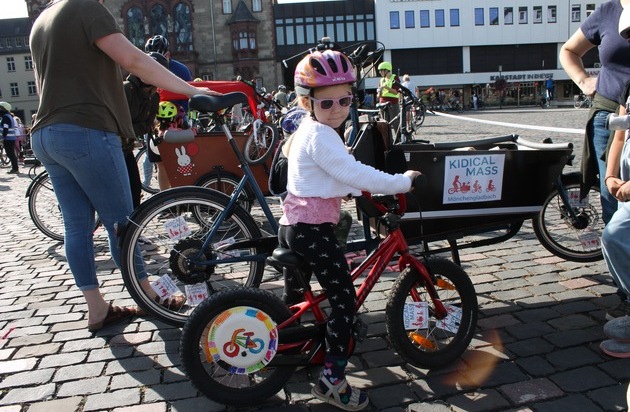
(535, 348)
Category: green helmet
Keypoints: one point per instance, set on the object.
(386, 66)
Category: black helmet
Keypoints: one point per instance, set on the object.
(159, 58)
(157, 44)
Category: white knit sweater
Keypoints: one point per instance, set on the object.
(320, 166)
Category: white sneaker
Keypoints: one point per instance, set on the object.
(145, 244)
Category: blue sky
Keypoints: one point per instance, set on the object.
(13, 8)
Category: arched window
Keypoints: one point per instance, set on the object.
(135, 26)
(158, 21)
(183, 27)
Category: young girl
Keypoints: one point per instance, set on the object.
(321, 173)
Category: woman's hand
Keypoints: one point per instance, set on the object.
(622, 192)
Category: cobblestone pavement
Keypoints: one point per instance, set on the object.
(535, 348)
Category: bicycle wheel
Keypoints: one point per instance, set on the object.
(148, 172)
(226, 182)
(213, 369)
(259, 147)
(44, 207)
(418, 115)
(579, 240)
(414, 331)
(168, 236)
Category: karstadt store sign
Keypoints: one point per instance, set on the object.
(523, 77)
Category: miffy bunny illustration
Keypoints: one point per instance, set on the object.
(183, 160)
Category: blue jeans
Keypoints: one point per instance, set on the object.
(600, 141)
(88, 173)
(615, 246)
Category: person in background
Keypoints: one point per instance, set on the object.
(282, 97)
(550, 89)
(143, 100)
(600, 30)
(320, 173)
(388, 93)
(82, 122)
(409, 84)
(8, 129)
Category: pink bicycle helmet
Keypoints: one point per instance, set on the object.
(323, 68)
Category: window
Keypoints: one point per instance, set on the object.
(28, 63)
(522, 15)
(18, 42)
(439, 18)
(551, 14)
(15, 91)
(410, 20)
(394, 20)
(454, 17)
(589, 9)
(227, 6)
(256, 5)
(478, 17)
(494, 16)
(10, 64)
(424, 18)
(576, 13)
(537, 10)
(508, 15)
(32, 89)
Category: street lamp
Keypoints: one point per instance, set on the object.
(500, 90)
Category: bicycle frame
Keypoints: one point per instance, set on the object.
(394, 243)
(248, 178)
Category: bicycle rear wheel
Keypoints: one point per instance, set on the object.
(168, 236)
(258, 147)
(212, 369)
(579, 240)
(416, 333)
(44, 207)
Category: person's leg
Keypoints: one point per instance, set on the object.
(600, 140)
(313, 242)
(78, 216)
(9, 149)
(616, 248)
(134, 179)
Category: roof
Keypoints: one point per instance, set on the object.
(20, 27)
(241, 13)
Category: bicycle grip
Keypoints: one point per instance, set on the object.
(179, 136)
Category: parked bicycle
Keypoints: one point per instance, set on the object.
(430, 318)
(582, 100)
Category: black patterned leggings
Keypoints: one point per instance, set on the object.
(319, 245)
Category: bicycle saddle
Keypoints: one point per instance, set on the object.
(206, 104)
(286, 258)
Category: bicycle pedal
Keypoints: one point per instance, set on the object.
(359, 329)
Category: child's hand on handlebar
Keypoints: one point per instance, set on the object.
(412, 174)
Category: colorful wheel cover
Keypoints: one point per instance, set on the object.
(242, 340)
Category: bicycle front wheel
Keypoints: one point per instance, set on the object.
(418, 115)
(168, 238)
(416, 333)
(578, 239)
(261, 144)
(44, 207)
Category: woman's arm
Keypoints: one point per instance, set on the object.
(612, 179)
(571, 55)
(132, 59)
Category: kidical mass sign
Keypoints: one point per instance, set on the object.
(474, 178)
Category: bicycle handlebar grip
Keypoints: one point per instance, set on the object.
(420, 182)
(179, 136)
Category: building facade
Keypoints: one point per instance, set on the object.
(469, 44)
(17, 81)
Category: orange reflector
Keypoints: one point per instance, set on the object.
(441, 283)
(422, 341)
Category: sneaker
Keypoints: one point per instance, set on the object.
(13, 172)
(622, 309)
(618, 329)
(145, 244)
(615, 348)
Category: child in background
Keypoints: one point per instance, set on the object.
(321, 172)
